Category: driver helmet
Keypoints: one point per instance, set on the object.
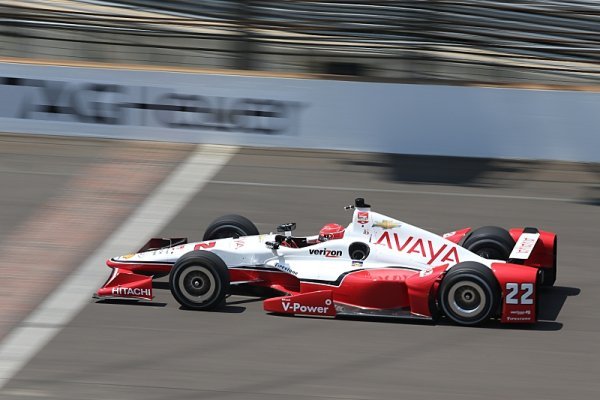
(331, 231)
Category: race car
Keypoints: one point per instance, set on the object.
(376, 266)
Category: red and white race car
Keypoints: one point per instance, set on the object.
(376, 266)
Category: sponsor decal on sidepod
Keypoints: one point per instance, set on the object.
(424, 248)
(285, 268)
(299, 308)
(325, 252)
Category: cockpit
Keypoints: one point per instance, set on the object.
(328, 232)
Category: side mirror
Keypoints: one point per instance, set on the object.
(272, 245)
(287, 227)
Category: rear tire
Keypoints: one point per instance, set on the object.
(491, 242)
(199, 280)
(230, 226)
(549, 274)
(469, 294)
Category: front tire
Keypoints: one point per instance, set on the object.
(469, 294)
(230, 226)
(199, 280)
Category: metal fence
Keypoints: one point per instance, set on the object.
(422, 41)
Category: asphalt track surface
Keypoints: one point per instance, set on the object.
(124, 350)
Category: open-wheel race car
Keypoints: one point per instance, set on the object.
(376, 266)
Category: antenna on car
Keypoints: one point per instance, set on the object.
(287, 228)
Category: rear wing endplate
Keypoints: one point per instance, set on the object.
(524, 246)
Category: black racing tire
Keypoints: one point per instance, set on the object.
(549, 274)
(229, 226)
(199, 280)
(469, 294)
(491, 242)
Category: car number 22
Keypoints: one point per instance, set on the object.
(513, 290)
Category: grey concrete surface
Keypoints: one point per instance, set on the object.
(124, 350)
(32, 171)
(59, 199)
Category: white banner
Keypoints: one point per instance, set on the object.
(281, 112)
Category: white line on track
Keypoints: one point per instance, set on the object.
(61, 306)
(399, 191)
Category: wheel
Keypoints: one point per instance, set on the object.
(469, 293)
(549, 274)
(230, 226)
(490, 242)
(199, 280)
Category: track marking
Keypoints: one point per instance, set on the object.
(62, 305)
(400, 191)
(88, 207)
